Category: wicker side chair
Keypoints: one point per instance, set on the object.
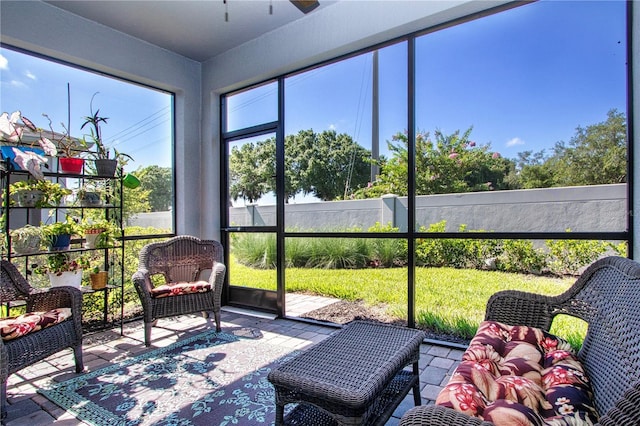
(179, 260)
(607, 297)
(15, 354)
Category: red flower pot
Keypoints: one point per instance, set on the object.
(71, 165)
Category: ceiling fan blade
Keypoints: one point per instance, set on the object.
(305, 6)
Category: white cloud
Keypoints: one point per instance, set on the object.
(30, 75)
(17, 83)
(332, 127)
(4, 63)
(514, 142)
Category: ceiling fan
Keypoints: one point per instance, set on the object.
(305, 6)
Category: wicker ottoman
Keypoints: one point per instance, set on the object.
(356, 376)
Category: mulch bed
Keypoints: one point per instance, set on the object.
(345, 311)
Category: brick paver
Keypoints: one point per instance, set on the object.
(101, 349)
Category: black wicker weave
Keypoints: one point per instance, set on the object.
(354, 377)
(180, 259)
(27, 350)
(607, 296)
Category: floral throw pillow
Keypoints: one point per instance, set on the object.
(174, 289)
(14, 327)
(520, 375)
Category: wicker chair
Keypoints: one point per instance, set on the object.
(23, 351)
(607, 297)
(182, 259)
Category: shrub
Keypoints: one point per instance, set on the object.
(478, 252)
(255, 250)
(569, 256)
(338, 253)
(520, 256)
(440, 251)
(297, 252)
(387, 252)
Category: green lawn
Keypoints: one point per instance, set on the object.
(447, 300)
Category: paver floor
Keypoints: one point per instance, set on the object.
(27, 408)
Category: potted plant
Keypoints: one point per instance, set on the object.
(63, 270)
(99, 233)
(67, 150)
(58, 234)
(98, 278)
(26, 239)
(104, 162)
(90, 195)
(26, 193)
(37, 193)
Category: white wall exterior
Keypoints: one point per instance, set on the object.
(597, 208)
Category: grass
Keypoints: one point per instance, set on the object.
(448, 300)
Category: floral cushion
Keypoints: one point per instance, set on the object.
(14, 327)
(174, 289)
(520, 375)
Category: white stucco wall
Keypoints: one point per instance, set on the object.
(597, 208)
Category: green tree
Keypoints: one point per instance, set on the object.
(158, 181)
(251, 170)
(327, 165)
(534, 170)
(332, 165)
(135, 201)
(596, 154)
(297, 148)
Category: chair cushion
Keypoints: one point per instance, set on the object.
(520, 375)
(176, 289)
(14, 327)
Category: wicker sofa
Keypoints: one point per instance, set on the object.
(607, 297)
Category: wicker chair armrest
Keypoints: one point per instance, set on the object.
(4, 364)
(520, 308)
(216, 279)
(142, 280)
(142, 283)
(434, 415)
(626, 411)
(55, 297)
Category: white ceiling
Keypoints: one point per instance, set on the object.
(195, 29)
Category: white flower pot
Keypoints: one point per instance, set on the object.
(26, 244)
(70, 278)
(29, 197)
(92, 238)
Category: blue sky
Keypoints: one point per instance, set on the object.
(524, 79)
(521, 86)
(139, 119)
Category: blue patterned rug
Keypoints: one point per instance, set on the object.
(209, 379)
